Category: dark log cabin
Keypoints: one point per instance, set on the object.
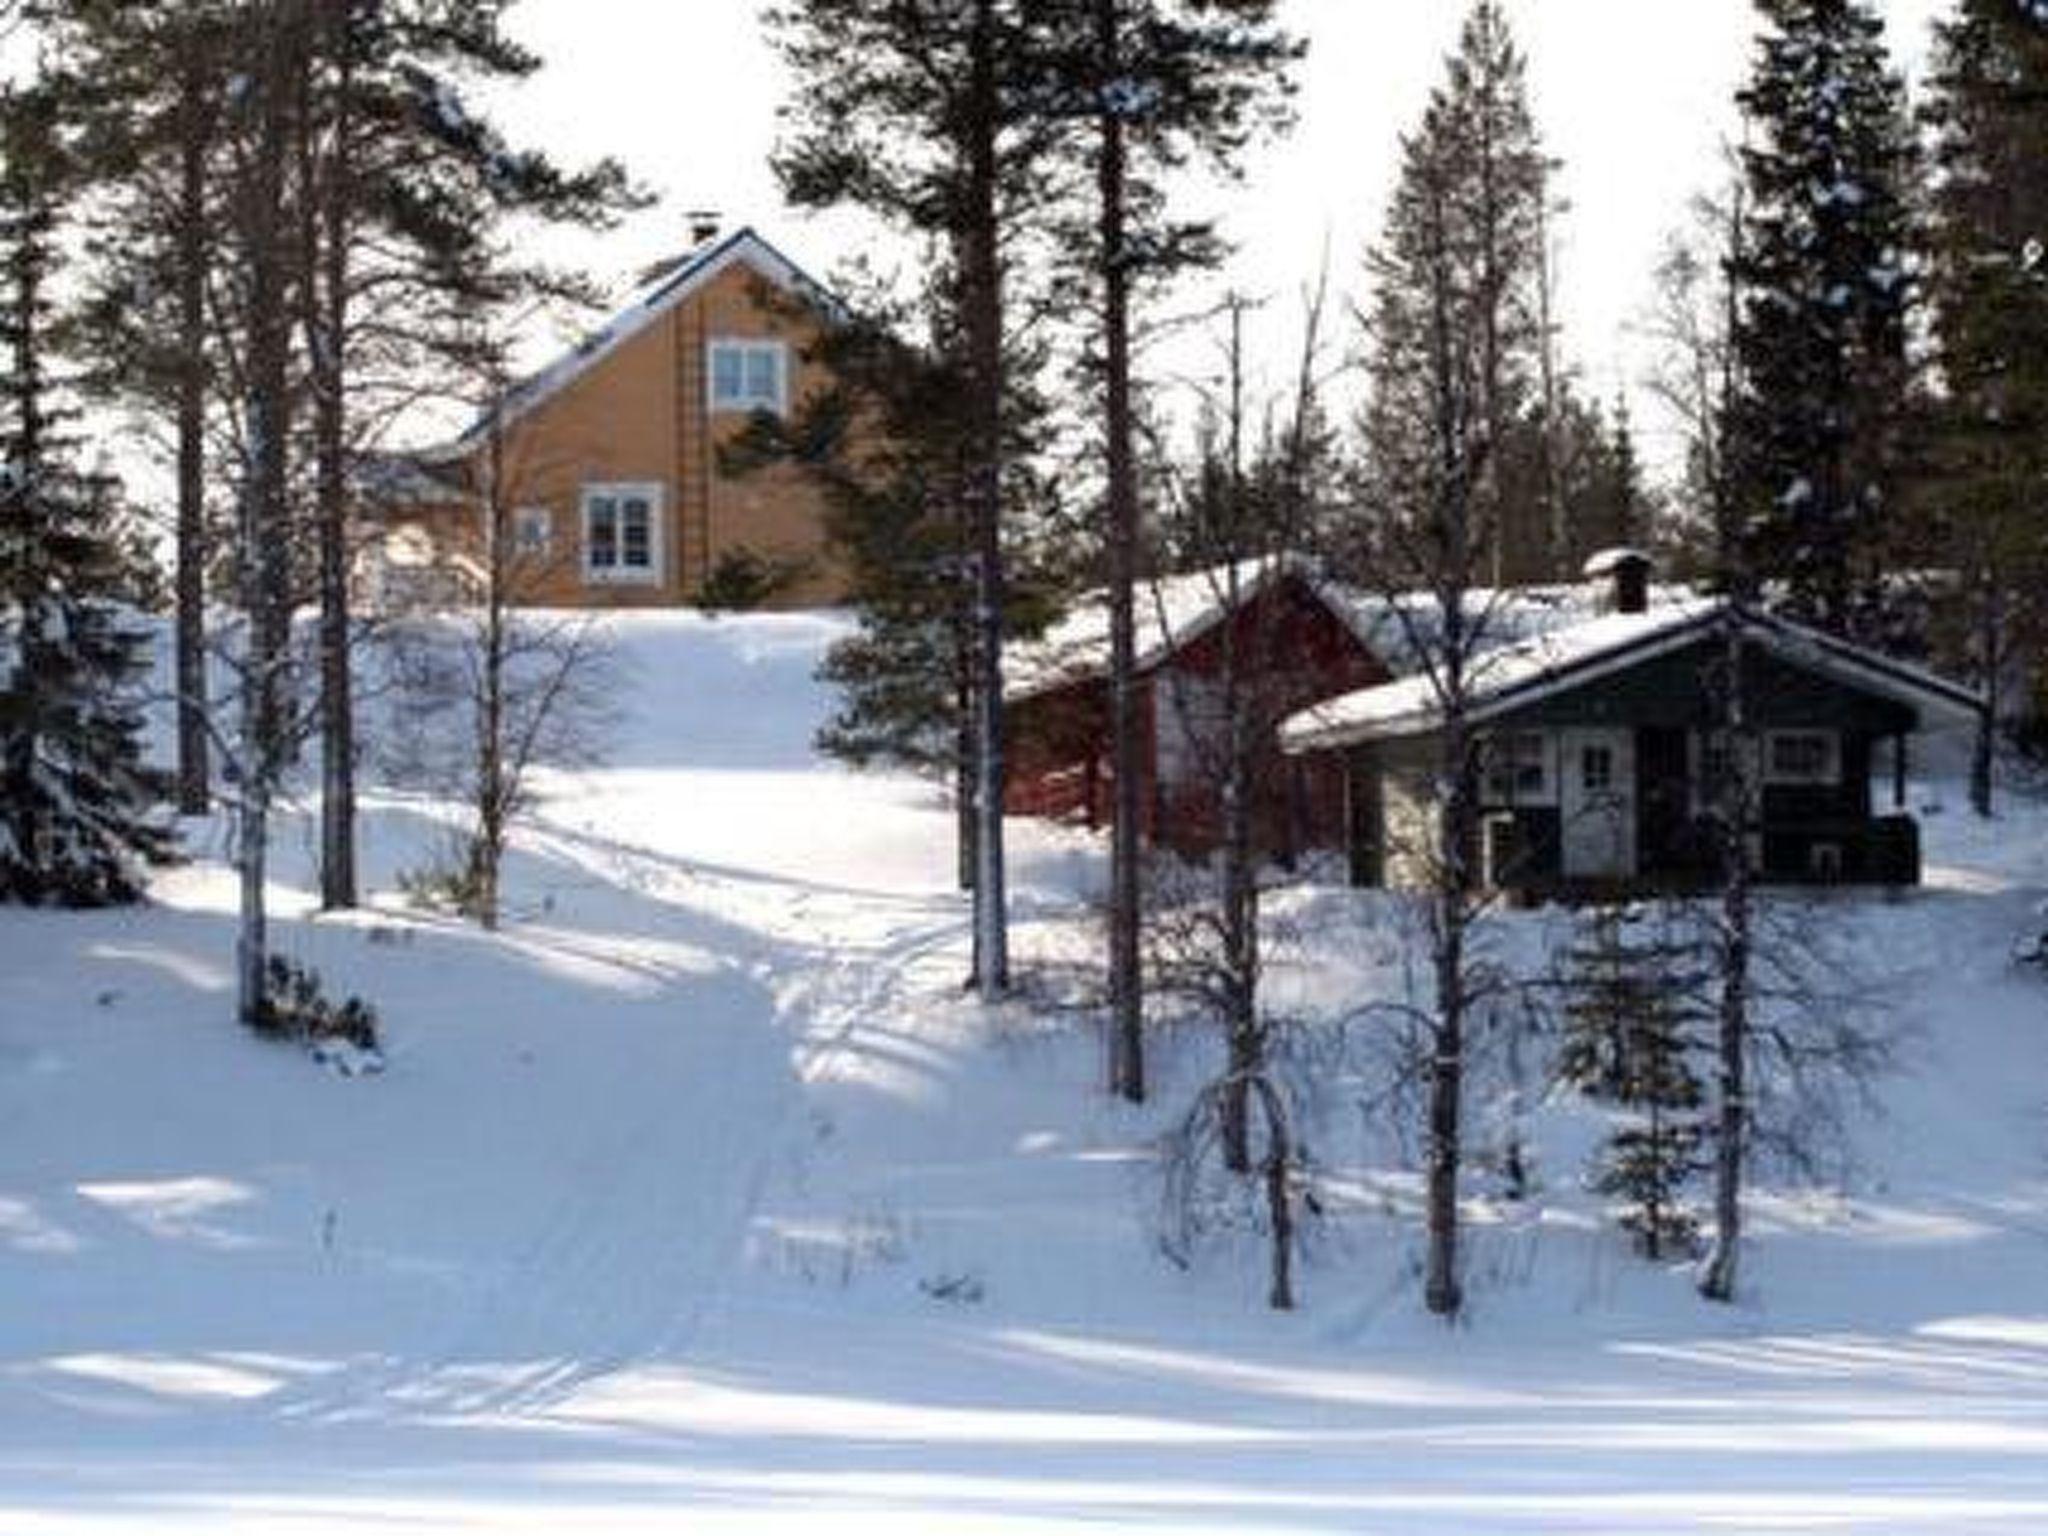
(1604, 764)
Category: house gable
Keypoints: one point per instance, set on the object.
(637, 407)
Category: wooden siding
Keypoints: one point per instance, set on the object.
(1059, 753)
(641, 416)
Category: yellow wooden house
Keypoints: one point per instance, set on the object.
(611, 482)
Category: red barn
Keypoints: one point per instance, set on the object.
(1298, 639)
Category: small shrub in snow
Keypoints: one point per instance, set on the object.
(741, 580)
(961, 1289)
(296, 1007)
(1629, 1022)
(451, 886)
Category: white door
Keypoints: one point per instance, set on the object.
(1597, 800)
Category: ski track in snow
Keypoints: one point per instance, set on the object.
(789, 1229)
(625, 1268)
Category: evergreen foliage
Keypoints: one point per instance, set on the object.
(1987, 429)
(1825, 275)
(78, 806)
(1454, 331)
(1629, 1039)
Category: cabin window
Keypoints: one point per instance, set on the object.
(1802, 757)
(1517, 769)
(533, 531)
(1596, 769)
(1193, 727)
(622, 534)
(749, 376)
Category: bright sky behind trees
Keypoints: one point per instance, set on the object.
(1633, 96)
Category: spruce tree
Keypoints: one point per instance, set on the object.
(928, 114)
(1155, 83)
(78, 805)
(1987, 119)
(1826, 285)
(1629, 1036)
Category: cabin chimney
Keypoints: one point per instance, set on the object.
(1627, 574)
(704, 224)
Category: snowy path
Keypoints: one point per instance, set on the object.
(701, 1199)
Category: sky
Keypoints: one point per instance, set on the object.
(1633, 96)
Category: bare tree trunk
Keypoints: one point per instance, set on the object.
(984, 304)
(326, 309)
(1240, 920)
(1991, 646)
(265, 530)
(1458, 474)
(1279, 1199)
(1126, 980)
(1718, 1274)
(965, 741)
(487, 853)
(194, 766)
(1442, 1292)
(1557, 527)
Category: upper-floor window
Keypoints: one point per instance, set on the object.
(622, 533)
(749, 376)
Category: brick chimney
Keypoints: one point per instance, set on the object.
(1627, 573)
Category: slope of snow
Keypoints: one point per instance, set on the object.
(702, 1199)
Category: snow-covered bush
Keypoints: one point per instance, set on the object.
(296, 1007)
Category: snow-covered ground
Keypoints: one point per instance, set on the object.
(701, 1199)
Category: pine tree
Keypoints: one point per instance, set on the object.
(402, 188)
(928, 115)
(149, 92)
(1826, 283)
(1156, 83)
(1987, 117)
(1628, 1042)
(78, 813)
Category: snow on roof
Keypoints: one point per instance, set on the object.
(1400, 629)
(1514, 675)
(667, 291)
(1605, 562)
(1171, 611)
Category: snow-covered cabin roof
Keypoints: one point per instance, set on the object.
(1397, 628)
(1512, 676)
(671, 289)
(1171, 611)
(1605, 562)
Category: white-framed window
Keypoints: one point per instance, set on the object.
(1516, 769)
(1802, 757)
(1596, 768)
(749, 375)
(622, 534)
(533, 531)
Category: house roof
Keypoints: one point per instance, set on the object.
(1173, 611)
(742, 247)
(1511, 676)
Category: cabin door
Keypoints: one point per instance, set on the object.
(1597, 803)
